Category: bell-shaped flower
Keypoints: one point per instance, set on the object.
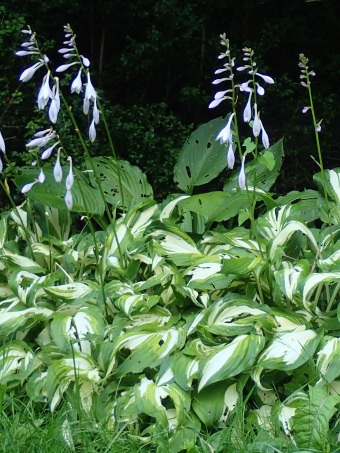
(215, 103)
(245, 87)
(29, 72)
(86, 61)
(23, 53)
(256, 123)
(86, 106)
(225, 135)
(45, 92)
(242, 175)
(2, 144)
(57, 170)
(41, 177)
(95, 112)
(55, 103)
(40, 141)
(264, 136)
(92, 131)
(70, 177)
(77, 84)
(47, 152)
(247, 110)
(266, 78)
(69, 199)
(230, 156)
(27, 187)
(259, 89)
(90, 92)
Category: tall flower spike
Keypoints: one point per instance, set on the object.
(242, 175)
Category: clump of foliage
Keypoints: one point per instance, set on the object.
(204, 322)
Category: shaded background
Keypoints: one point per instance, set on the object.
(153, 62)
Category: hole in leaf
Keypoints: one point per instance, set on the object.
(161, 342)
(209, 145)
(188, 171)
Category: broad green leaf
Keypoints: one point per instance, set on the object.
(16, 361)
(85, 198)
(267, 159)
(112, 173)
(185, 369)
(129, 304)
(202, 158)
(211, 402)
(311, 419)
(289, 350)
(229, 360)
(149, 400)
(22, 262)
(332, 186)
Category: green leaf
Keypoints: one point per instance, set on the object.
(310, 422)
(229, 360)
(11, 321)
(267, 159)
(202, 158)
(111, 173)
(71, 291)
(289, 350)
(328, 361)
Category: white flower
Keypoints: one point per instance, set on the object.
(90, 92)
(86, 61)
(57, 170)
(264, 135)
(244, 87)
(225, 135)
(45, 92)
(242, 175)
(77, 83)
(2, 144)
(69, 199)
(86, 106)
(230, 157)
(266, 78)
(247, 110)
(305, 109)
(47, 152)
(23, 53)
(41, 177)
(92, 131)
(215, 103)
(70, 177)
(256, 123)
(95, 112)
(55, 103)
(259, 89)
(41, 141)
(28, 187)
(1, 165)
(29, 72)
(64, 67)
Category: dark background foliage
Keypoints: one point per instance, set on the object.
(153, 62)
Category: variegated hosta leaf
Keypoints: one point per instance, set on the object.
(62, 372)
(330, 264)
(312, 282)
(140, 216)
(287, 279)
(274, 221)
(22, 262)
(5, 291)
(240, 265)
(71, 330)
(17, 362)
(284, 235)
(149, 401)
(142, 303)
(328, 359)
(116, 244)
(28, 286)
(148, 348)
(184, 369)
(288, 320)
(3, 232)
(211, 403)
(11, 321)
(290, 350)
(79, 292)
(235, 317)
(230, 359)
(204, 268)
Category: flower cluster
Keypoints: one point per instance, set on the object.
(250, 113)
(70, 52)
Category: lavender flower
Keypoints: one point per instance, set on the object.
(57, 170)
(242, 175)
(29, 72)
(77, 84)
(230, 157)
(27, 187)
(256, 123)
(45, 92)
(69, 199)
(225, 136)
(2, 144)
(55, 103)
(70, 177)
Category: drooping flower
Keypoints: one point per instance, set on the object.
(247, 110)
(266, 78)
(86, 61)
(1, 165)
(77, 84)
(90, 92)
(230, 156)
(69, 199)
(92, 131)
(55, 103)
(41, 141)
(45, 92)
(242, 175)
(57, 170)
(225, 135)
(95, 112)
(264, 136)
(70, 177)
(64, 67)
(256, 123)
(47, 152)
(27, 187)
(41, 177)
